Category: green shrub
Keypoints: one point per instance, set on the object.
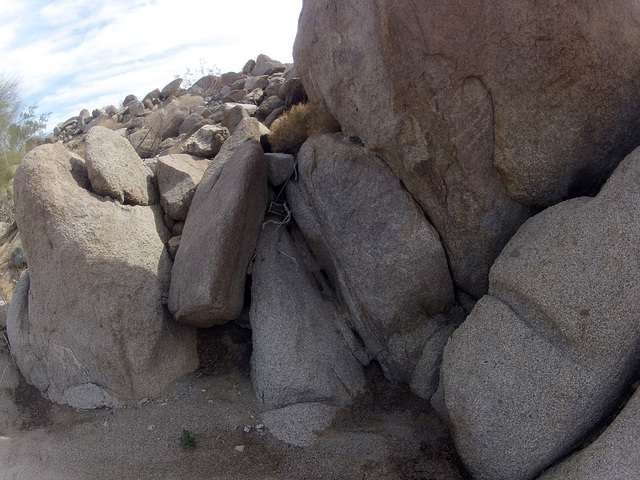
(302, 121)
(187, 439)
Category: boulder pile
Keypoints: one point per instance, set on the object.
(472, 229)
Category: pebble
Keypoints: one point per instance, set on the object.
(247, 428)
(240, 448)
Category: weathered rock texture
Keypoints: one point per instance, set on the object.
(218, 240)
(116, 170)
(545, 356)
(88, 327)
(615, 454)
(481, 109)
(376, 246)
(299, 355)
(177, 177)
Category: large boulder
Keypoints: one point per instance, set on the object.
(615, 454)
(88, 327)
(481, 108)
(116, 170)
(178, 177)
(298, 355)
(544, 358)
(219, 237)
(206, 142)
(376, 246)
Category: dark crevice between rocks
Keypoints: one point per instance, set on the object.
(227, 348)
(369, 413)
(34, 408)
(223, 349)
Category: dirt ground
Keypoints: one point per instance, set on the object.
(386, 434)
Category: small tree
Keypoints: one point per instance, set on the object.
(190, 76)
(16, 127)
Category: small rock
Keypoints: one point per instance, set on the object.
(247, 428)
(240, 448)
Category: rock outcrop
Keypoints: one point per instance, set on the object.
(299, 355)
(482, 110)
(177, 177)
(116, 170)
(376, 246)
(218, 240)
(472, 177)
(87, 325)
(544, 358)
(615, 453)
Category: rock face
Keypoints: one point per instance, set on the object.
(116, 170)
(219, 236)
(544, 357)
(177, 177)
(88, 327)
(206, 142)
(439, 91)
(615, 454)
(299, 355)
(376, 246)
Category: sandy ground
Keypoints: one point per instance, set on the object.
(386, 434)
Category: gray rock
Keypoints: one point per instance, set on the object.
(615, 454)
(165, 122)
(268, 106)
(268, 68)
(177, 177)
(219, 113)
(193, 123)
(376, 246)
(256, 82)
(18, 259)
(248, 67)
(116, 170)
(479, 108)
(152, 95)
(136, 109)
(239, 83)
(233, 116)
(235, 96)
(173, 244)
(129, 99)
(273, 116)
(273, 86)
(543, 358)
(280, 166)
(230, 78)
(220, 234)
(206, 142)
(145, 142)
(171, 88)
(297, 423)
(298, 353)
(87, 326)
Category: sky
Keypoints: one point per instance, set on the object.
(75, 54)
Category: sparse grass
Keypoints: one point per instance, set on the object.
(187, 439)
(290, 131)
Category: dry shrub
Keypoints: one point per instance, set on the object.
(290, 131)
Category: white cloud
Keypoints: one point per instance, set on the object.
(69, 52)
